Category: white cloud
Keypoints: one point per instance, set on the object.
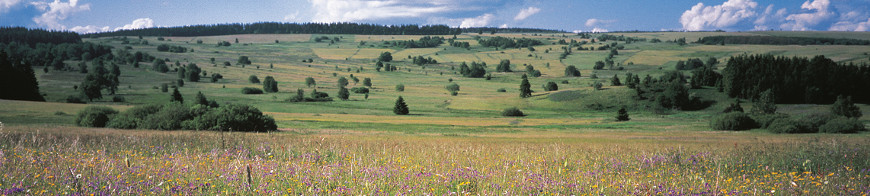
(503, 26)
(599, 30)
(598, 22)
(850, 26)
(292, 17)
(5, 5)
(480, 21)
(89, 29)
(804, 21)
(577, 31)
(57, 11)
(525, 13)
(731, 12)
(357, 10)
(140, 23)
(769, 17)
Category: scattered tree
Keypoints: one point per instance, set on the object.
(270, 85)
(401, 108)
(525, 87)
(176, 96)
(844, 107)
(622, 115)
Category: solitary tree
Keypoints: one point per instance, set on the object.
(525, 87)
(504, 66)
(244, 60)
(343, 93)
(270, 85)
(401, 108)
(309, 81)
(254, 79)
(453, 88)
(572, 71)
(176, 96)
(367, 82)
(386, 57)
(845, 107)
(342, 82)
(622, 115)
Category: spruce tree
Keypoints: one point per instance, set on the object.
(176, 96)
(615, 81)
(845, 107)
(200, 99)
(401, 108)
(622, 115)
(525, 87)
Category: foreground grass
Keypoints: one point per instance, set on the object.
(65, 160)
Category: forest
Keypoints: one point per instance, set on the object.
(777, 40)
(285, 28)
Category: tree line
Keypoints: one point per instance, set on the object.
(285, 28)
(31, 37)
(503, 42)
(777, 40)
(795, 80)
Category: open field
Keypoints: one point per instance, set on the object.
(569, 142)
(63, 160)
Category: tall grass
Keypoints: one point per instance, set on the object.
(61, 160)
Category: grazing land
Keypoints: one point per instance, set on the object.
(453, 141)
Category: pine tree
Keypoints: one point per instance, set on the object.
(622, 115)
(845, 107)
(401, 108)
(615, 81)
(525, 87)
(200, 99)
(176, 96)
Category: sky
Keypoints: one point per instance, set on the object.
(87, 16)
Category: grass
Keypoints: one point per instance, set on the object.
(63, 160)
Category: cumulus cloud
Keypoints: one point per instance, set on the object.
(702, 17)
(525, 13)
(5, 5)
(140, 23)
(851, 26)
(599, 30)
(359, 10)
(769, 17)
(480, 21)
(57, 11)
(819, 12)
(89, 29)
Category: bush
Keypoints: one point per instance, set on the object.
(501, 90)
(118, 99)
(551, 86)
(513, 112)
(842, 125)
(251, 91)
(123, 121)
(233, 117)
(786, 125)
(95, 116)
(254, 79)
(400, 88)
(735, 121)
(764, 120)
(169, 117)
(359, 90)
(74, 99)
(813, 121)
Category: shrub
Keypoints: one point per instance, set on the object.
(813, 121)
(123, 121)
(572, 71)
(254, 79)
(453, 88)
(169, 117)
(622, 115)
(501, 90)
(512, 112)
(400, 88)
(786, 125)
(95, 116)
(251, 91)
(551, 86)
(735, 121)
(74, 99)
(233, 117)
(842, 125)
(359, 90)
(764, 120)
(118, 99)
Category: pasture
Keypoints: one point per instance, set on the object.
(568, 144)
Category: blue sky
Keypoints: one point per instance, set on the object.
(570, 15)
